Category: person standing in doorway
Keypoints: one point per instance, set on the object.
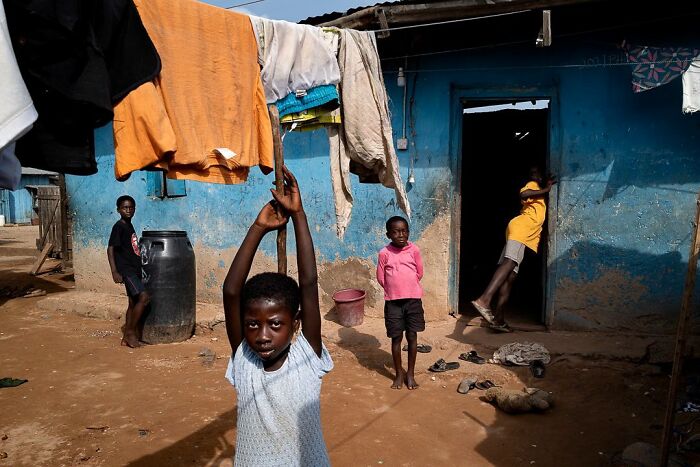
(124, 257)
(523, 231)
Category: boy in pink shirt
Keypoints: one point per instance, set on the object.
(399, 271)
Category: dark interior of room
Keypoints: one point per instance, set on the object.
(498, 148)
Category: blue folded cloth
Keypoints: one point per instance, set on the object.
(326, 95)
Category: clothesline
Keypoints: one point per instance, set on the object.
(530, 67)
(243, 4)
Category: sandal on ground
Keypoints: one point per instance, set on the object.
(466, 385)
(420, 348)
(472, 357)
(501, 327)
(484, 385)
(484, 312)
(537, 368)
(441, 365)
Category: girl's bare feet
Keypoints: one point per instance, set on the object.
(130, 340)
(398, 381)
(411, 382)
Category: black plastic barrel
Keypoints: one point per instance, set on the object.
(170, 278)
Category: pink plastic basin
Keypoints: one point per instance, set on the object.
(350, 306)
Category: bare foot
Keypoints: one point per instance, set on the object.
(130, 340)
(411, 382)
(398, 381)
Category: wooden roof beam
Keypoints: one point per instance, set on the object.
(399, 14)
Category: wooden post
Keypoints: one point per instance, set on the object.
(547, 27)
(63, 199)
(279, 186)
(681, 335)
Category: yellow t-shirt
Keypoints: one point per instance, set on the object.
(527, 227)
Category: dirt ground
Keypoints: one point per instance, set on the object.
(91, 402)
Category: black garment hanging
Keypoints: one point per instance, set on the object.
(78, 58)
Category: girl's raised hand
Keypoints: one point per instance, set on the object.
(291, 200)
(271, 217)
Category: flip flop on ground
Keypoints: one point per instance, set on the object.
(441, 365)
(484, 385)
(420, 348)
(501, 327)
(484, 312)
(466, 385)
(472, 357)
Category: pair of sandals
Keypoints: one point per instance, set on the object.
(471, 382)
(490, 319)
(421, 348)
(472, 357)
(441, 365)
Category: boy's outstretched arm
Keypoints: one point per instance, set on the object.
(539, 193)
(306, 261)
(267, 220)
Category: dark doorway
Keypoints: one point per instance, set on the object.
(500, 142)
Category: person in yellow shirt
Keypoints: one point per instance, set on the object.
(523, 231)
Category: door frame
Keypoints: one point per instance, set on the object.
(459, 94)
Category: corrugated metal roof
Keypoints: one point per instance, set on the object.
(339, 14)
(421, 11)
(32, 171)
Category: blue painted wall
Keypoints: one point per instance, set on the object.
(17, 206)
(620, 220)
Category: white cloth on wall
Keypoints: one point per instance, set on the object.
(691, 87)
(294, 57)
(17, 112)
(365, 135)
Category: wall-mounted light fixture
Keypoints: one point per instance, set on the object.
(401, 79)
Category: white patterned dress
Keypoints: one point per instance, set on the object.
(279, 412)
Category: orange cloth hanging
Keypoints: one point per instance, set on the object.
(208, 97)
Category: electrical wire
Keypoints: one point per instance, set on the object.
(534, 67)
(244, 4)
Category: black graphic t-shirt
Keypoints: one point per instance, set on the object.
(127, 255)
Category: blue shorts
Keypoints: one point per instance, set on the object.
(134, 285)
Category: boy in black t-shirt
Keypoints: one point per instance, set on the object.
(124, 257)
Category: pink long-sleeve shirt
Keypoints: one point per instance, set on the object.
(399, 271)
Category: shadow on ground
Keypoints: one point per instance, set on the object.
(206, 446)
(14, 282)
(367, 350)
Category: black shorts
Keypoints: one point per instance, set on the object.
(134, 285)
(401, 315)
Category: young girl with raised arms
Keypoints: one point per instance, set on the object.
(277, 376)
